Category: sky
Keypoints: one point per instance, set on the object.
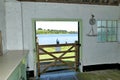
(58, 25)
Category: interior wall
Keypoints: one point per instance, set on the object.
(119, 35)
(2, 24)
(92, 52)
(14, 27)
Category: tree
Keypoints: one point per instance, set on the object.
(39, 28)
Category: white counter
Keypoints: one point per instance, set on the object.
(10, 61)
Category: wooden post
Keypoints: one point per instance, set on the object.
(76, 56)
(38, 59)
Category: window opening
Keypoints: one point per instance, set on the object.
(107, 30)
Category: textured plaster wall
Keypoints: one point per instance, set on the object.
(92, 52)
(2, 24)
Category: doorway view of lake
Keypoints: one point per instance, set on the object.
(62, 38)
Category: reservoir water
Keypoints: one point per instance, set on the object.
(62, 38)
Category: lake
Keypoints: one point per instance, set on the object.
(62, 38)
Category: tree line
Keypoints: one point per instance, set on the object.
(52, 31)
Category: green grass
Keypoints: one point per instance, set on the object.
(52, 49)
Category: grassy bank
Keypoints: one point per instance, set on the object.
(53, 49)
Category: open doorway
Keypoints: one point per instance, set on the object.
(51, 32)
(62, 38)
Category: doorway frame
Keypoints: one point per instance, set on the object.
(57, 19)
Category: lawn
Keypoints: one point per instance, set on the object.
(53, 49)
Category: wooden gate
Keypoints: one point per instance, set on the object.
(53, 55)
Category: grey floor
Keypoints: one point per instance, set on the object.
(112, 74)
(59, 76)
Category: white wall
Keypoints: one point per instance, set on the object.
(14, 26)
(119, 35)
(92, 52)
(2, 24)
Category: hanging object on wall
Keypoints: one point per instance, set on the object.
(92, 22)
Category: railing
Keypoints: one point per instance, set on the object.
(57, 55)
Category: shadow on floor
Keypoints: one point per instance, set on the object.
(113, 74)
(71, 75)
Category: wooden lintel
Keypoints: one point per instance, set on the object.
(93, 2)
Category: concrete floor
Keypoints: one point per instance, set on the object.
(92, 75)
(60, 75)
(100, 75)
